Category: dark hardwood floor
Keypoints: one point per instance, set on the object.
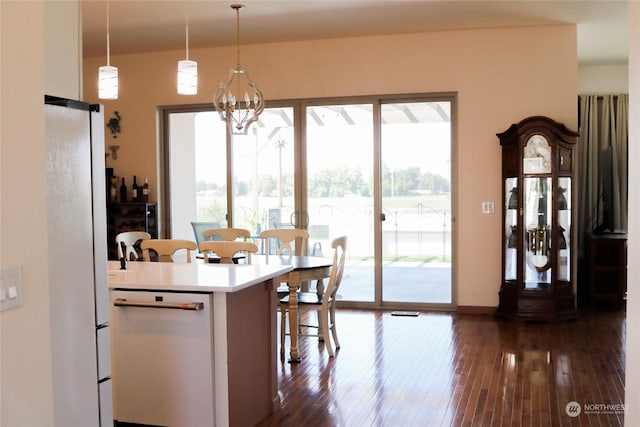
(444, 369)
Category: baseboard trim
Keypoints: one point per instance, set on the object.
(475, 309)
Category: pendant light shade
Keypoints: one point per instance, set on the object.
(187, 77)
(187, 71)
(108, 75)
(108, 82)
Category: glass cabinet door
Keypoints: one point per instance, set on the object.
(537, 222)
(564, 231)
(511, 229)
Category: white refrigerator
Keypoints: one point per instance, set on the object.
(77, 248)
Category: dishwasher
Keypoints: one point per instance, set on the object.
(162, 358)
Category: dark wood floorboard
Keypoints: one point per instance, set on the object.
(445, 369)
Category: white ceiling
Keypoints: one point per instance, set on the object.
(152, 25)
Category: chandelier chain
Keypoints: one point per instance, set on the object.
(237, 8)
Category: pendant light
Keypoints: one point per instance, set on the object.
(108, 75)
(187, 71)
(238, 115)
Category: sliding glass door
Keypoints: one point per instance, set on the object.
(377, 170)
(195, 172)
(416, 202)
(263, 173)
(394, 206)
(339, 190)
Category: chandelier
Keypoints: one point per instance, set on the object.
(238, 113)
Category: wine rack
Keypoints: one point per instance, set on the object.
(130, 217)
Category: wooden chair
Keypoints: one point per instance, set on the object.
(285, 237)
(166, 248)
(227, 249)
(228, 234)
(129, 239)
(323, 304)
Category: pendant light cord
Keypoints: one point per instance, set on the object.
(187, 36)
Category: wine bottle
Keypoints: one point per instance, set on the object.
(145, 190)
(113, 193)
(123, 192)
(135, 196)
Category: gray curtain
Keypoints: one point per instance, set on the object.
(603, 123)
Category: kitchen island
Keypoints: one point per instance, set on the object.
(194, 344)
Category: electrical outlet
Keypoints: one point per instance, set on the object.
(10, 288)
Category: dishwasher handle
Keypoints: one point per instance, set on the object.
(194, 306)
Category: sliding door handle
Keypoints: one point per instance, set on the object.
(299, 220)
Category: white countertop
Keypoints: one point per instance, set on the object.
(193, 277)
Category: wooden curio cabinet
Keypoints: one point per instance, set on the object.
(538, 231)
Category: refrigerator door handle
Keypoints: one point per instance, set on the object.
(194, 306)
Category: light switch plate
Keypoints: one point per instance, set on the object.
(10, 288)
(488, 207)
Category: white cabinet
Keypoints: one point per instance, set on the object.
(194, 344)
(162, 366)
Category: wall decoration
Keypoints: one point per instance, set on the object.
(114, 124)
(114, 151)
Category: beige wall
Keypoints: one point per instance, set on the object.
(600, 79)
(62, 49)
(40, 55)
(25, 354)
(632, 388)
(501, 77)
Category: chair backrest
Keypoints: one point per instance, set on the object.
(199, 227)
(129, 239)
(165, 248)
(285, 236)
(228, 234)
(227, 249)
(339, 246)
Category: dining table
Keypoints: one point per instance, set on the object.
(305, 269)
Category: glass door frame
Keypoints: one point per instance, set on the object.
(164, 112)
(446, 113)
(301, 197)
(163, 161)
